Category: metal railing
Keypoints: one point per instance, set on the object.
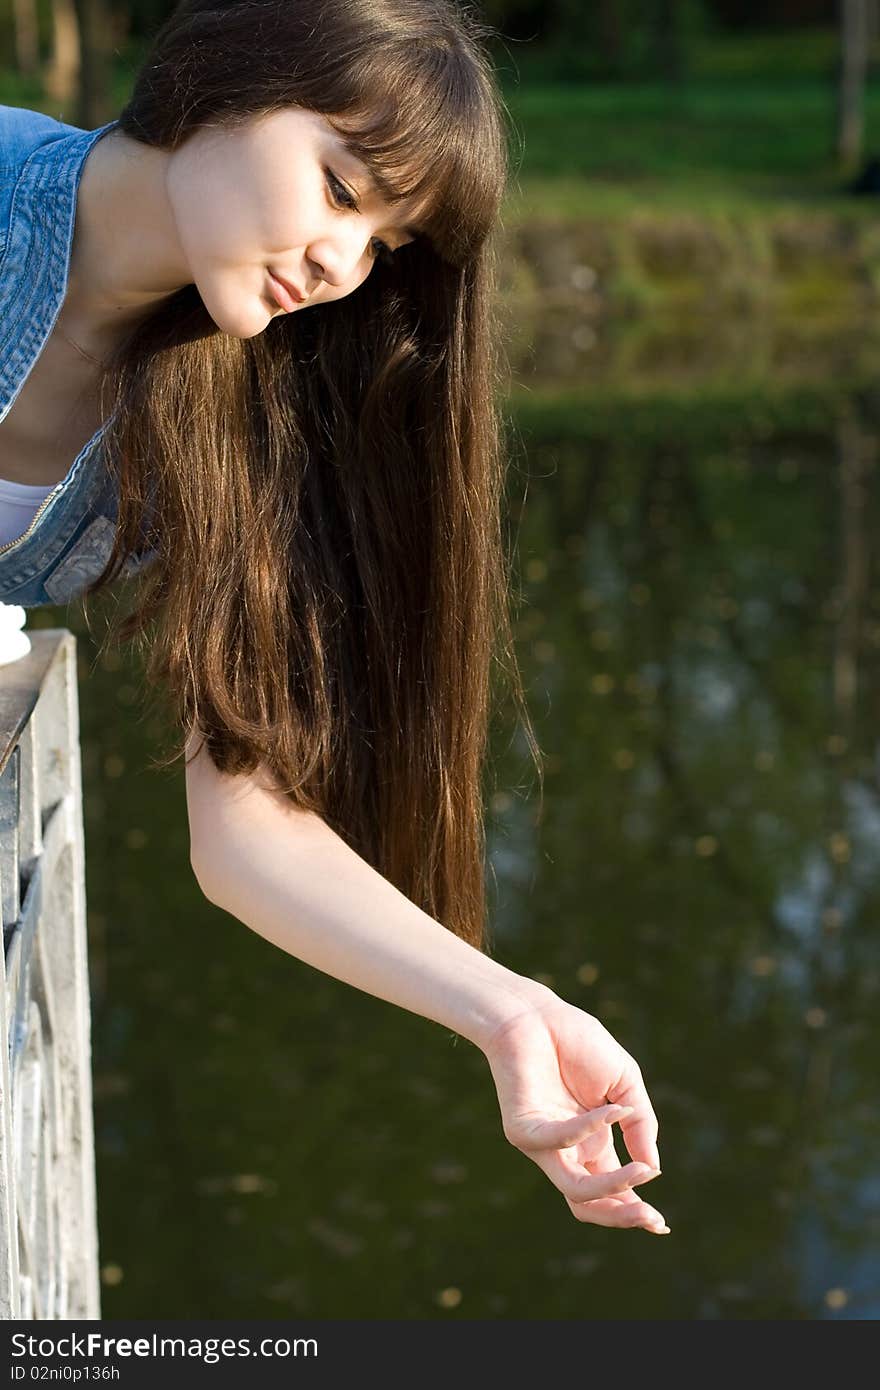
(48, 1224)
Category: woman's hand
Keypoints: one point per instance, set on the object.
(562, 1083)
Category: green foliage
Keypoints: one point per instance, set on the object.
(617, 39)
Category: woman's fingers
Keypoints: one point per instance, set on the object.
(535, 1136)
(639, 1125)
(644, 1214)
(578, 1185)
(609, 1211)
(605, 1196)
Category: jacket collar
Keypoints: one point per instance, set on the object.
(35, 265)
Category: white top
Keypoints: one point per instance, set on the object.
(18, 504)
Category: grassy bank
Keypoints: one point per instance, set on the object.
(813, 261)
(718, 195)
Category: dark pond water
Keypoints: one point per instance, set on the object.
(699, 632)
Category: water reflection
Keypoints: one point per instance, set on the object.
(700, 638)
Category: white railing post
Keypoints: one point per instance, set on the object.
(48, 1222)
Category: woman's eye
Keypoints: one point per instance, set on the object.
(339, 191)
(380, 250)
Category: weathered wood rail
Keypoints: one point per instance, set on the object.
(48, 1223)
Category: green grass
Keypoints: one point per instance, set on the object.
(753, 124)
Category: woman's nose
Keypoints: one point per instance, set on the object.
(337, 261)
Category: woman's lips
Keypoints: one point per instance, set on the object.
(285, 297)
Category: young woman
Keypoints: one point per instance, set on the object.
(256, 311)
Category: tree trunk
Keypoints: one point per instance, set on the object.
(609, 35)
(668, 40)
(27, 43)
(94, 93)
(851, 83)
(61, 78)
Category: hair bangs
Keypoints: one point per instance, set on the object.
(435, 138)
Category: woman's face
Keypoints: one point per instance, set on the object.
(280, 196)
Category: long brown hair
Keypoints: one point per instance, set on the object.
(331, 583)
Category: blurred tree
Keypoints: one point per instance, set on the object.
(76, 76)
(62, 71)
(852, 70)
(609, 33)
(669, 39)
(608, 39)
(93, 107)
(27, 39)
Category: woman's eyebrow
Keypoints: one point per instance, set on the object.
(378, 184)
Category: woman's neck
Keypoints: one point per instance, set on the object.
(126, 253)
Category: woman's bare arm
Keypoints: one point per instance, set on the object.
(293, 880)
(562, 1080)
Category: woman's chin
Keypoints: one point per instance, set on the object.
(242, 320)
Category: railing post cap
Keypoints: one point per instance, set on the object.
(14, 644)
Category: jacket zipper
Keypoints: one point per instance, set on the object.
(48, 498)
(34, 519)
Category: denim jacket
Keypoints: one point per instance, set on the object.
(70, 537)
